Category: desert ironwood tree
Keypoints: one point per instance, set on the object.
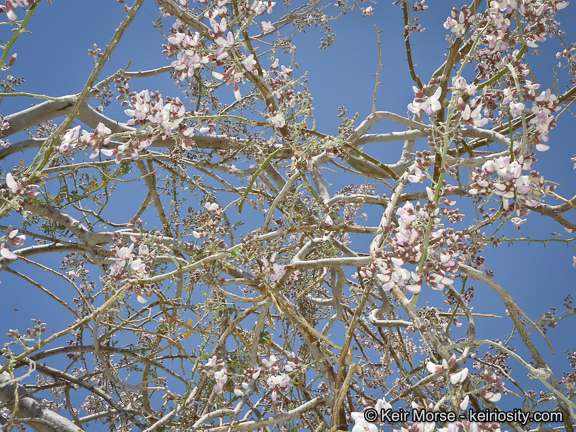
(225, 265)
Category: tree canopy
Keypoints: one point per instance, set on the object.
(212, 257)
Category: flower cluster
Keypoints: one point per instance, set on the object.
(69, 140)
(278, 384)
(208, 224)
(93, 140)
(278, 381)
(151, 108)
(21, 187)
(128, 264)
(39, 328)
(494, 386)
(457, 21)
(280, 78)
(472, 113)
(191, 53)
(544, 121)
(270, 375)
(406, 242)
(189, 58)
(510, 182)
(215, 369)
(256, 7)
(421, 103)
(233, 75)
(274, 270)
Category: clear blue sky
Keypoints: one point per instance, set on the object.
(54, 61)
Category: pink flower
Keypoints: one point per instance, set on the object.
(267, 27)
(277, 272)
(269, 363)
(428, 105)
(137, 266)
(368, 11)
(211, 363)
(516, 221)
(516, 108)
(473, 118)
(21, 187)
(13, 238)
(249, 62)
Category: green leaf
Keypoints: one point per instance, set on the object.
(255, 176)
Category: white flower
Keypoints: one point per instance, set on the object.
(138, 266)
(281, 381)
(141, 106)
(10, 11)
(429, 105)
(269, 363)
(11, 183)
(368, 11)
(473, 118)
(267, 27)
(249, 62)
(237, 391)
(211, 363)
(7, 253)
(278, 120)
(226, 43)
(459, 377)
(417, 177)
(492, 397)
(211, 207)
(433, 368)
(516, 221)
(516, 108)
(361, 424)
(504, 5)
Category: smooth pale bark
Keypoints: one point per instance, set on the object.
(45, 420)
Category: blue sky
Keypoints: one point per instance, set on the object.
(54, 61)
